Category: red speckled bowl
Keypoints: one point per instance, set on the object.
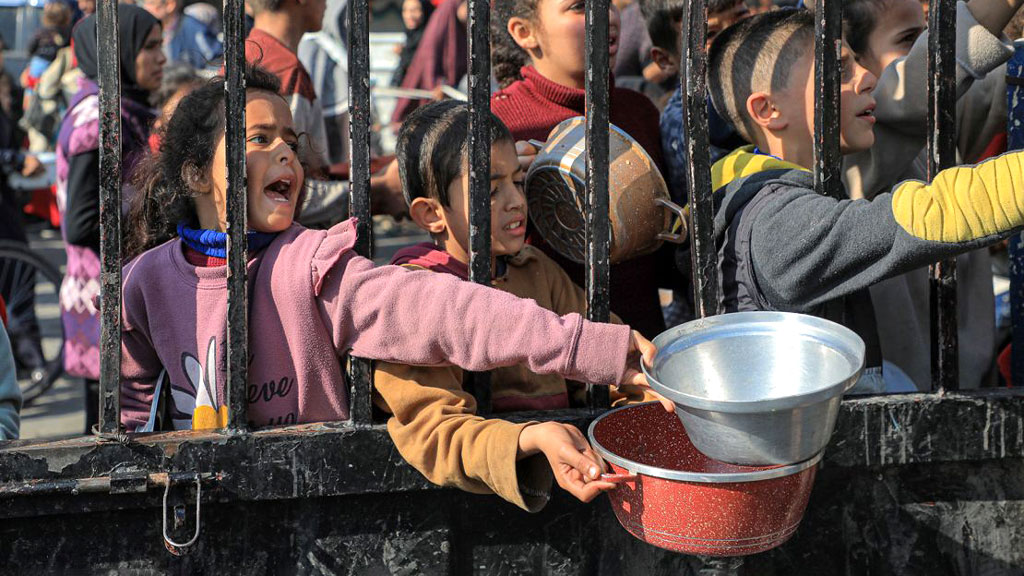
(674, 497)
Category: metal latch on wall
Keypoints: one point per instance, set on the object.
(129, 481)
(179, 518)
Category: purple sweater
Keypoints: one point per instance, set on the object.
(312, 300)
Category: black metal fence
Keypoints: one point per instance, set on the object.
(827, 171)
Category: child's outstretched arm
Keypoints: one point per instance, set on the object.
(902, 103)
(436, 430)
(417, 317)
(806, 249)
(980, 49)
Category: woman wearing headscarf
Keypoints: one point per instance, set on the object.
(415, 15)
(141, 61)
(440, 57)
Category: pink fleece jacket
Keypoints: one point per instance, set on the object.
(313, 299)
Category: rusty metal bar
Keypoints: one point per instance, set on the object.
(113, 484)
(480, 167)
(360, 370)
(598, 230)
(827, 79)
(942, 155)
(237, 217)
(110, 216)
(704, 257)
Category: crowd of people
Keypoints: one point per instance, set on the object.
(859, 261)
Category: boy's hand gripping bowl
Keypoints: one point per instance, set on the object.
(757, 388)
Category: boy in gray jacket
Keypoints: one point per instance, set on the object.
(782, 246)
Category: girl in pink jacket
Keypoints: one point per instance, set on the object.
(312, 298)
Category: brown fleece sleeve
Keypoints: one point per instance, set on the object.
(569, 298)
(435, 428)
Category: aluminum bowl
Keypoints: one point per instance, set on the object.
(757, 388)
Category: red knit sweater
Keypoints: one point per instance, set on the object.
(531, 108)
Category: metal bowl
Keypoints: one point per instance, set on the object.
(757, 388)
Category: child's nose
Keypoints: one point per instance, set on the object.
(515, 199)
(866, 81)
(284, 153)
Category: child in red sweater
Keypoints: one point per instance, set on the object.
(537, 51)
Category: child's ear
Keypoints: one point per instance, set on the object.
(666, 61)
(428, 214)
(522, 32)
(763, 113)
(197, 179)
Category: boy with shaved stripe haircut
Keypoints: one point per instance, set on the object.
(782, 246)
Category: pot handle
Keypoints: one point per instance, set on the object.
(618, 478)
(683, 215)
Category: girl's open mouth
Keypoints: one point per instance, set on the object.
(515, 227)
(279, 190)
(868, 114)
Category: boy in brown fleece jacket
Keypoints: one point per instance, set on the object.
(434, 422)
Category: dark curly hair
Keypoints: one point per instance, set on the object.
(506, 56)
(187, 146)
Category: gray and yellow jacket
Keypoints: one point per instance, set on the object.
(783, 247)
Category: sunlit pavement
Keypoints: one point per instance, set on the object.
(61, 411)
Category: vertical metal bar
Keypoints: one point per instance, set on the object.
(1015, 132)
(110, 216)
(237, 220)
(942, 155)
(480, 166)
(598, 230)
(704, 257)
(827, 79)
(360, 370)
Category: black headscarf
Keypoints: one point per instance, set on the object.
(134, 25)
(412, 41)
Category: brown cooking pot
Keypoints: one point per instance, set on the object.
(674, 497)
(639, 208)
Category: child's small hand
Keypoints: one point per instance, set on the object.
(527, 153)
(576, 466)
(31, 167)
(643, 350)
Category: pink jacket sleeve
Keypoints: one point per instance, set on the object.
(421, 318)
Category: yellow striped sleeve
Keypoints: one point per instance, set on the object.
(964, 203)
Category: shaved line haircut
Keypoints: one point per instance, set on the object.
(756, 55)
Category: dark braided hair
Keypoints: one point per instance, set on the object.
(187, 147)
(507, 58)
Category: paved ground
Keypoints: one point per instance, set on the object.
(61, 411)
